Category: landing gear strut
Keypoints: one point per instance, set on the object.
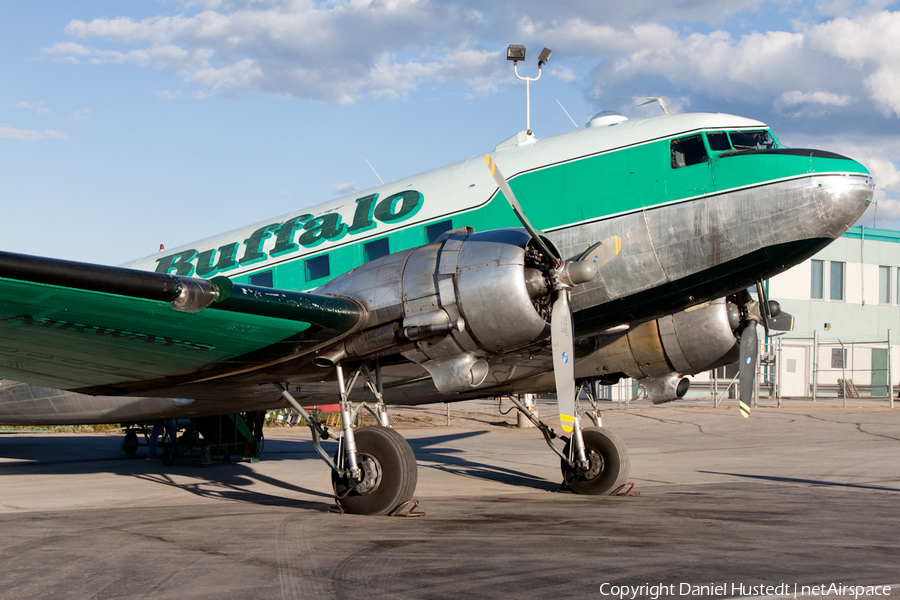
(594, 460)
(374, 469)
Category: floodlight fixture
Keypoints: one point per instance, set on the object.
(544, 57)
(515, 52)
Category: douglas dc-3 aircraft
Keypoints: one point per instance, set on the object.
(623, 249)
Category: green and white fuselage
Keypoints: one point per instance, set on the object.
(681, 225)
(704, 205)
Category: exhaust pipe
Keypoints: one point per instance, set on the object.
(666, 388)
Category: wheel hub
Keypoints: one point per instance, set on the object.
(371, 474)
(595, 462)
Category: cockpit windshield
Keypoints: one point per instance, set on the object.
(752, 140)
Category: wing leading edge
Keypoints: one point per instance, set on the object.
(110, 330)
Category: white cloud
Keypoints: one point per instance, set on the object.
(337, 52)
(344, 188)
(563, 73)
(81, 113)
(824, 97)
(343, 50)
(39, 107)
(29, 135)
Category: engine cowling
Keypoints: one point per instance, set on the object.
(454, 302)
(698, 339)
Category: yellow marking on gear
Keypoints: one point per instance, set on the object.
(490, 163)
(745, 410)
(618, 245)
(567, 422)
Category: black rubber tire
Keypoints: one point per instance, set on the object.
(393, 457)
(609, 466)
(130, 443)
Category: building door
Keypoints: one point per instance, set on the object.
(792, 372)
(880, 388)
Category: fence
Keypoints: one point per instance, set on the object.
(812, 369)
(796, 368)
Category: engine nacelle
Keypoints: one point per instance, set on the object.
(454, 303)
(666, 388)
(688, 342)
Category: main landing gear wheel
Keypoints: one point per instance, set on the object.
(130, 443)
(608, 468)
(389, 473)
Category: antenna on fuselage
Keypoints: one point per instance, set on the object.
(515, 53)
(374, 171)
(567, 114)
(661, 100)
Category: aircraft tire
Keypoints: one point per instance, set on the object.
(389, 473)
(609, 464)
(130, 443)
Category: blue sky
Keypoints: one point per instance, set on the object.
(127, 125)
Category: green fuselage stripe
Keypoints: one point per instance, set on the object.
(581, 190)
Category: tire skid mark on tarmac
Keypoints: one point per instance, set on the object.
(391, 559)
(298, 563)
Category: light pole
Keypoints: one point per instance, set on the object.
(516, 53)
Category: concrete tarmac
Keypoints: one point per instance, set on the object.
(805, 496)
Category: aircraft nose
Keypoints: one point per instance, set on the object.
(842, 199)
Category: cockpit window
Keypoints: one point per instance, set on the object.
(718, 141)
(752, 140)
(688, 151)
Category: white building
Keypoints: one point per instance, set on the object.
(847, 299)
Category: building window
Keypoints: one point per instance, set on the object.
(263, 279)
(818, 279)
(688, 151)
(376, 249)
(884, 285)
(433, 232)
(837, 280)
(317, 267)
(838, 358)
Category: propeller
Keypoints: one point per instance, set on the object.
(769, 314)
(563, 277)
(749, 355)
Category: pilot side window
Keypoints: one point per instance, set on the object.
(317, 267)
(752, 140)
(688, 151)
(718, 141)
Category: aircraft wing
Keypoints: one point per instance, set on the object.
(109, 330)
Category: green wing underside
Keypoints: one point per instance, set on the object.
(98, 342)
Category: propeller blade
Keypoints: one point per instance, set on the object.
(517, 208)
(563, 345)
(764, 308)
(783, 322)
(603, 252)
(749, 355)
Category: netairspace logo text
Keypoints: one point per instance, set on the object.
(732, 590)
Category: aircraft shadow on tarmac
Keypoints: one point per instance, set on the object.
(805, 481)
(430, 453)
(84, 454)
